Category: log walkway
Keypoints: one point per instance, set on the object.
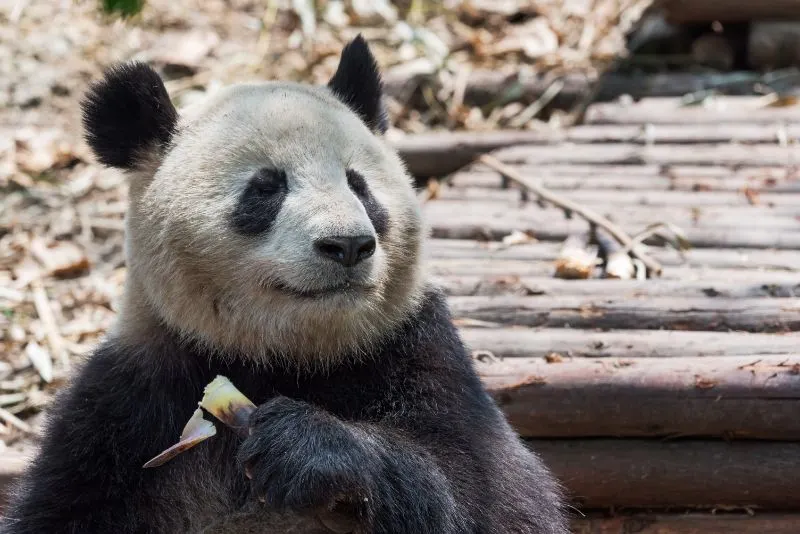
(648, 398)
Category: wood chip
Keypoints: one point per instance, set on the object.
(41, 360)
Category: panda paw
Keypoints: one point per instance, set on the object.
(298, 456)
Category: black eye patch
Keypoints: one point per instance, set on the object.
(375, 211)
(260, 202)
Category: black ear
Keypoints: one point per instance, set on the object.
(357, 83)
(128, 114)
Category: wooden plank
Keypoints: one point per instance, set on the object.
(656, 474)
(679, 313)
(748, 284)
(745, 397)
(766, 201)
(778, 260)
(490, 221)
(630, 154)
(733, 109)
(691, 523)
(624, 344)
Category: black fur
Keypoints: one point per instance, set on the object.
(410, 430)
(127, 114)
(357, 83)
(260, 202)
(375, 211)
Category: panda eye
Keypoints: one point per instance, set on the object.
(268, 181)
(357, 183)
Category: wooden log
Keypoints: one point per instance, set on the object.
(656, 474)
(692, 523)
(624, 344)
(744, 397)
(750, 315)
(633, 217)
(545, 270)
(488, 222)
(780, 285)
(612, 181)
(630, 154)
(776, 172)
(684, 11)
(753, 110)
(773, 260)
(441, 153)
(745, 133)
(763, 203)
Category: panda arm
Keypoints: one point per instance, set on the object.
(497, 483)
(430, 450)
(88, 476)
(299, 456)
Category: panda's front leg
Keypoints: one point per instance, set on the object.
(302, 458)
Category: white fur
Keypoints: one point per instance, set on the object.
(189, 268)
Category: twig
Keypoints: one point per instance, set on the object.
(45, 313)
(534, 109)
(15, 421)
(568, 205)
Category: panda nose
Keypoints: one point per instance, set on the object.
(346, 250)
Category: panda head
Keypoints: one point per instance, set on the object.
(270, 219)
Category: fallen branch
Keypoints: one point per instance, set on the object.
(594, 218)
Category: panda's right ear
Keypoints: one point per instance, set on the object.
(128, 116)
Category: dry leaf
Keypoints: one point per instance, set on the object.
(554, 357)
(576, 260)
(61, 259)
(518, 238)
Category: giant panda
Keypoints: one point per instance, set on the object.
(272, 237)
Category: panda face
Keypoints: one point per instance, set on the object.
(275, 222)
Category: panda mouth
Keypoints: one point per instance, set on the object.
(339, 289)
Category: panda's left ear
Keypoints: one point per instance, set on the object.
(128, 117)
(357, 83)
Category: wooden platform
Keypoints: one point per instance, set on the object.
(672, 394)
